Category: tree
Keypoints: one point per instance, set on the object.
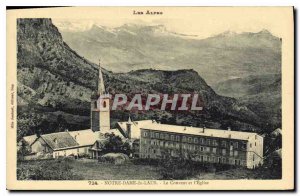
(22, 151)
(61, 123)
(179, 167)
(115, 144)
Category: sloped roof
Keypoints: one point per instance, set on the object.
(30, 139)
(60, 140)
(199, 131)
(84, 137)
(135, 127)
(277, 132)
(278, 153)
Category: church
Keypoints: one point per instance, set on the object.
(82, 142)
(150, 139)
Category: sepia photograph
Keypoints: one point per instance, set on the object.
(161, 98)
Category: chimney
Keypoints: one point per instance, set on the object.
(229, 129)
(38, 133)
(203, 129)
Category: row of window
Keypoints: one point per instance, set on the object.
(203, 158)
(170, 144)
(201, 149)
(196, 140)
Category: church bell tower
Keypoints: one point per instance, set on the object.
(100, 106)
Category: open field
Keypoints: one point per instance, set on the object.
(89, 169)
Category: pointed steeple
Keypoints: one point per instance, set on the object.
(101, 87)
(129, 120)
(128, 127)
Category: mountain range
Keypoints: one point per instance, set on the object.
(55, 84)
(218, 58)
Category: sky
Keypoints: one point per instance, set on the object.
(204, 22)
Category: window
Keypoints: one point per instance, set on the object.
(208, 142)
(255, 144)
(255, 136)
(253, 157)
(214, 159)
(223, 143)
(244, 145)
(236, 145)
(152, 134)
(214, 150)
(157, 135)
(201, 158)
(223, 151)
(196, 140)
(236, 153)
(178, 138)
(215, 143)
(201, 148)
(161, 143)
(161, 136)
(151, 142)
(207, 149)
(177, 145)
(104, 104)
(166, 136)
(184, 139)
(172, 137)
(223, 160)
(250, 145)
(145, 134)
(202, 140)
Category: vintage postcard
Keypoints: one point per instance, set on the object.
(150, 98)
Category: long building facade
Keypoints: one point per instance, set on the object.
(201, 144)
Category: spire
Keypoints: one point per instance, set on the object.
(101, 88)
(129, 120)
